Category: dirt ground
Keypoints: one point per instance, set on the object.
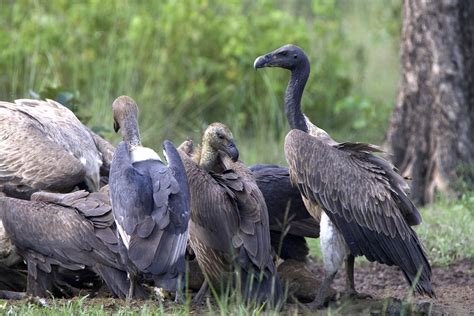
(454, 286)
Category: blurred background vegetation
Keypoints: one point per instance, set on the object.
(188, 63)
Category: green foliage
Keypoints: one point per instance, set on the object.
(188, 63)
(447, 229)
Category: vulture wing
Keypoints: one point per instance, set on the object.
(148, 208)
(29, 157)
(286, 210)
(364, 198)
(51, 234)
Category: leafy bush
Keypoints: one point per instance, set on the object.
(186, 63)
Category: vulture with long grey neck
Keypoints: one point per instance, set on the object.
(74, 231)
(363, 200)
(43, 146)
(150, 202)
(229, 230)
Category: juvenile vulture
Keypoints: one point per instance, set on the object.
(73, 231)
(290, 222)
(229, 230)
(43, 146)
(150, 203)
(365, 207)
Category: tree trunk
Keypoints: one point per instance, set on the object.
(431, 132)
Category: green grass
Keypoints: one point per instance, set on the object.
(189, 63)
(446, 231)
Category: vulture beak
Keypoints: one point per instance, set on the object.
(262, 61)
(232, 151)
(116, 126)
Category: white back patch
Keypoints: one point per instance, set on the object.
(83, 160)
(140, 153)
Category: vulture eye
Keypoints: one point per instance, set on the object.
(295, 56)
(220, 136)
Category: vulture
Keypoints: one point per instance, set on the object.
(43, 146)
(361, 199)
(289, 219)
(229, 229)
(55, 232)
(150, 203)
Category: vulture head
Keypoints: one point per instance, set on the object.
(290, 57)
(124, 109)
(219, 137)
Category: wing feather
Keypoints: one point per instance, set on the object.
(364, 197)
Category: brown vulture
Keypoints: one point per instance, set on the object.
(43, 146)
(364, 202)
(55, 232)
(229, 229)
(150, 203)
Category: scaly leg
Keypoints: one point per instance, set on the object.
(350, 286)
(334, 250)
(323, 291)
(131, 289)
(201, 293)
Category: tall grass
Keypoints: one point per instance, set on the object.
(189, 63)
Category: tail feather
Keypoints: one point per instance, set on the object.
(118, 283)
(261, 287)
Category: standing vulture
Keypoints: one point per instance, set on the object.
(365, 207)
(43, 146)
(229, 230)
(289, 219)
(150, 203)
(70, 231)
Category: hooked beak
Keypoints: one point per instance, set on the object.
(232, 151)
(116, 126)
(262, 61)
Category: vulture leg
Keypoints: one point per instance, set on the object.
(201, 293)
(179, 297)
(334, 250)
(323, 291)
(131, 289)
(39, 283)
(350, 286)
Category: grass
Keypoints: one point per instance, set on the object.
(446, 231)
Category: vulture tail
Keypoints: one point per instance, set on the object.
(118, 283)
(261, 287)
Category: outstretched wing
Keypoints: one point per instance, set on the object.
(364, 198)
(29, 157)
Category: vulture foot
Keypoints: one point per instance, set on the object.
(180, 299)
(356, 295)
